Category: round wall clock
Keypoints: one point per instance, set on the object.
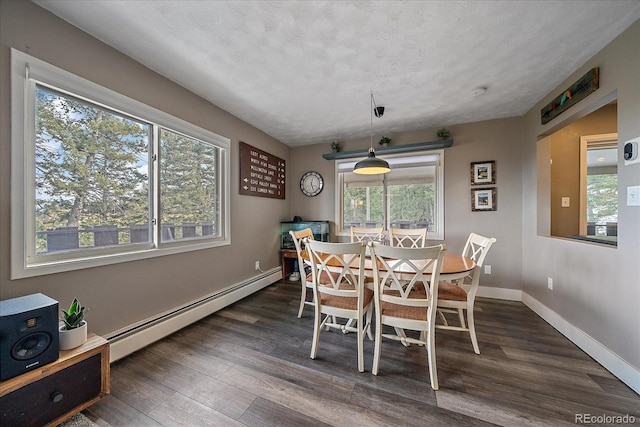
(311, 183)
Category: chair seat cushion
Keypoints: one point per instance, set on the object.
(404, 311)
(451, 291)
(348, 303)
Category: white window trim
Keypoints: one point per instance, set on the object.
(439, 186)
(24, 68)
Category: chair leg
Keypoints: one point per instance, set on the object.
(472, 330)
(401, 334)
(303, 297)
(367, 326)
(360, 337)
(376, 346)
(316, 332)
(431, 355)
(444, 319)
(461, 317)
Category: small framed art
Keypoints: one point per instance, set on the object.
(484, 199)
(483, 172)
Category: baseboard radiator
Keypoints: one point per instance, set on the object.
(139, 335)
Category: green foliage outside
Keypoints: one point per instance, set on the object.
(187, 179)
(92, 170)
(409, 202)
(602, 198)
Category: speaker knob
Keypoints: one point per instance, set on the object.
(56, 396)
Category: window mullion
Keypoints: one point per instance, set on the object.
(155, 185)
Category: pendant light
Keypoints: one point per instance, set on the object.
(372, 165)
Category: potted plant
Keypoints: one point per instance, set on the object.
(335, 147)
(73, 331)
(443, 133)
(384, 141)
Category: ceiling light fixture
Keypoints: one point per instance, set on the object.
(372, 165)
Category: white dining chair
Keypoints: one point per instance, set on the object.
(366, 234)
(305, 278)
(408, 237)
(454, 298)
(405, 294)
(339, 291)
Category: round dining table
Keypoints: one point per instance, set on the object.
(454, 266)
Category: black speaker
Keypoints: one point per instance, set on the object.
(28, 334)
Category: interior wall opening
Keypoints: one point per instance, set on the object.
(577, 179)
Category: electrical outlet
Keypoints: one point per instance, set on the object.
(550, 283)
(257, 265)
(487, 269)
(566, 202)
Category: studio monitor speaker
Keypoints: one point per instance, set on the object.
(28, 334)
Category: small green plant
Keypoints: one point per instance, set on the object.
(73, 317)
(443, 133)
(385, 140)
(335, 147)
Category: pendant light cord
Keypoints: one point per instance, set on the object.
(371, 127)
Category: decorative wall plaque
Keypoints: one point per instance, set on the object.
(261, 174)
(571, 96)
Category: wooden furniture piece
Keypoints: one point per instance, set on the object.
(408, 238)
(406, 298)
(341, 295)
(54, 392)
(287, 259)
(305, 279)
(452, 297)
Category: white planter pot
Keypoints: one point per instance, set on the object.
(74, 337)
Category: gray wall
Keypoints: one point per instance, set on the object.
(122, 294)
(497, 140)
(596, 288)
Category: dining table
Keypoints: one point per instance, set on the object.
(454, 266)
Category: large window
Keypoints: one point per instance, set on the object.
(410, 196)
(98, 178)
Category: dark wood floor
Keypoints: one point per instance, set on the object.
(249, 365)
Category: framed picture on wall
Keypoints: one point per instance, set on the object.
(483, 172)
(484, 199)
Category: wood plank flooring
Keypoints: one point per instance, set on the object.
(249, 365)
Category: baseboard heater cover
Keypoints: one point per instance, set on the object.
(139, 335)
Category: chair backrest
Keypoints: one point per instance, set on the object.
(397, 272)
(336, 264)
(408, 237)
(298, 240)
(368, 234)
(477, 247)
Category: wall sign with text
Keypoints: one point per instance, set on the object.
(261, 174)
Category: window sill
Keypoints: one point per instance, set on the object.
(603, 240)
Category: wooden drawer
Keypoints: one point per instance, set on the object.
(56, 391)
(52, 396)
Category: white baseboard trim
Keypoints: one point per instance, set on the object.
(141, 334)
(627, 373)
(499, 293)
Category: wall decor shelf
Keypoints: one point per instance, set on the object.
(394, 149)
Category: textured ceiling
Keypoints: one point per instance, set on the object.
(302, 71)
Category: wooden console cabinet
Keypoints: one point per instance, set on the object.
(54, 392)
(288, 257)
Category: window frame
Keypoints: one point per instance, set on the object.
(26, 72)
(439, 178)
